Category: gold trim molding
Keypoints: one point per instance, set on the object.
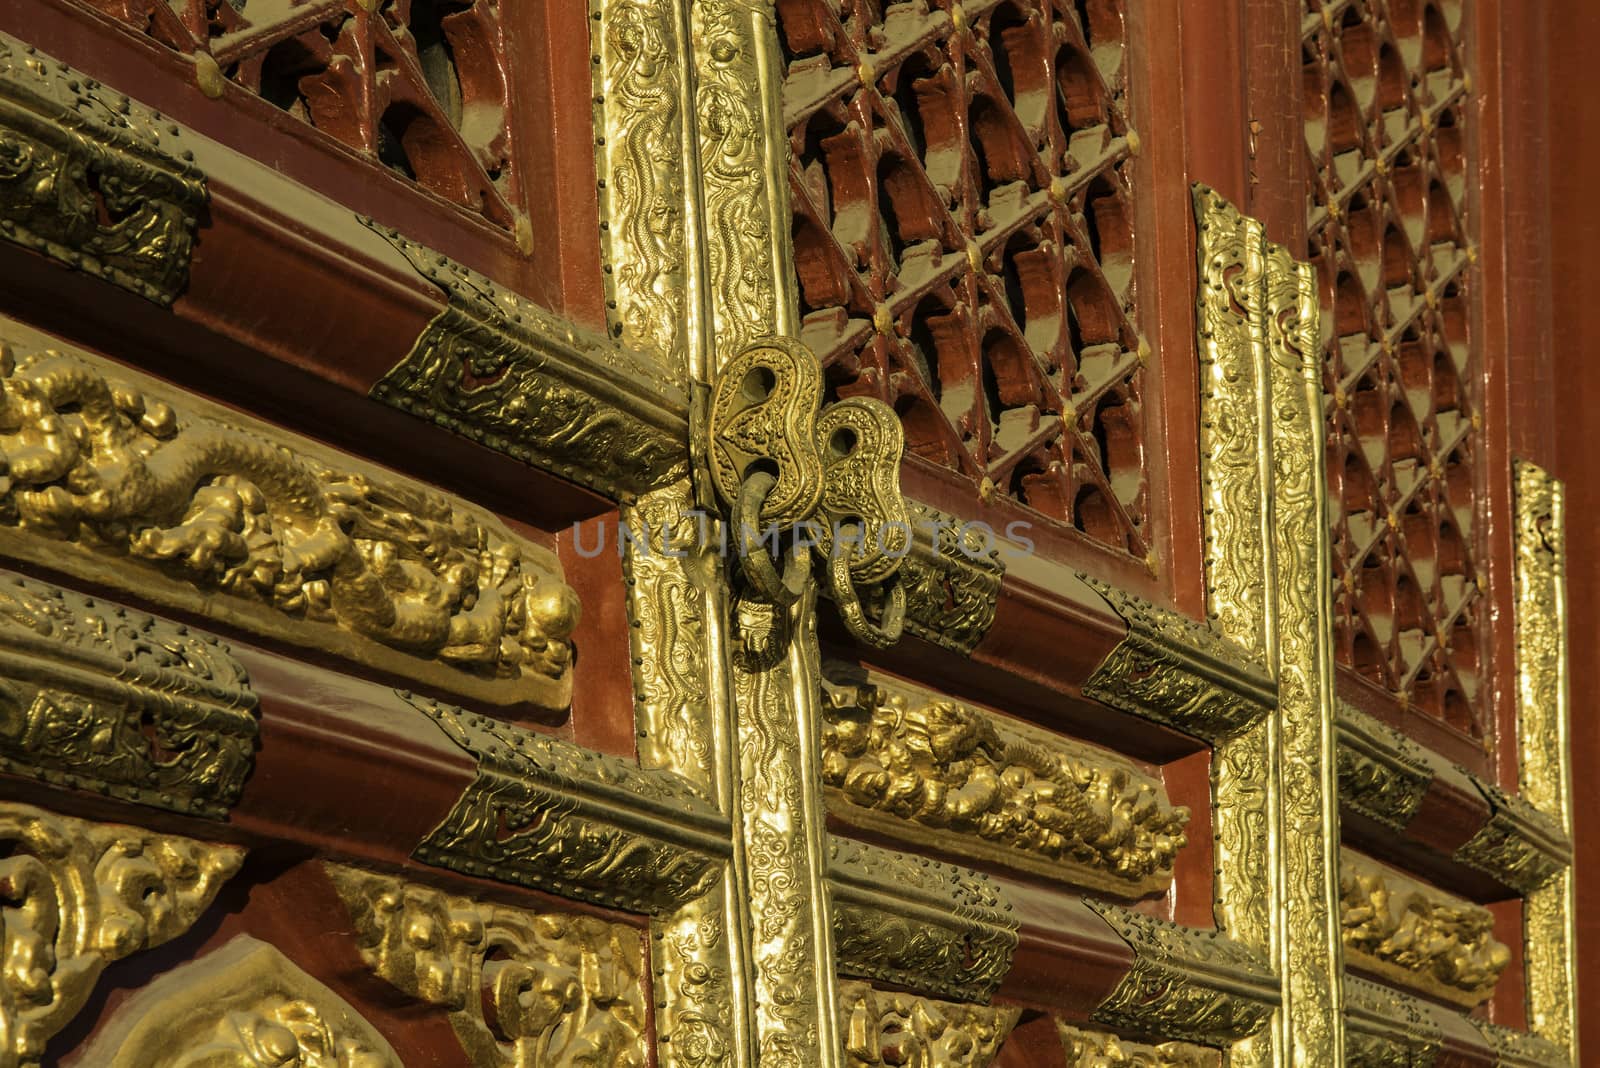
(914, 922)
(560, 989)
(118, 479)
(245, 1004)
(98, 697)
(92, 179)
(1417, 935)
(952, 583)
(1385, 1028)
(1178, 672)
(1096, 1049)
(884, 1027)
(1185, 984)
(1383, 775)
(1519, 846)
(922, 767)
(554, 816)
(498, 369)
(79, 896)
(1522, 1049)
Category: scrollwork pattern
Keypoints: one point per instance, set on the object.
(640, 102)
(952, 581)
(1186, 984)
(245, 1005)
(504, 372)
(521, 987)
(916, 922)
(76, 896)
(99, 697)
(1383, 775)
(1096, 1049)
(883, 1027)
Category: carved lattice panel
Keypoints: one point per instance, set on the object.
(963, 237)
(418, 85)
(1386, 105)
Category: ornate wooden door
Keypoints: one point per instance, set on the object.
(1007, 532)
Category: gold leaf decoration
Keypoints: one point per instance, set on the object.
(119, 479)
(522, 988)
(883, 1028)
(78, 895)
(912, 762)
(1417, 935)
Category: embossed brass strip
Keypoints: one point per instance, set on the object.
(1544, 749)
(118, 479)
(1382, 773)
(551, 815)
(521, 987)
(97, 697)
(1268, 585)
(915, 922)
(92, 179)
(1385, 1028)
(79, 896)
(497, 368)
(1178, 672)
(928, 769)
(1186, 984)
(1520, 846)
(1522, 1049)
(952, 584)
(1417, 935)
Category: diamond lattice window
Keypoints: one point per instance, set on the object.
(418, 85)
(964, 241)
(1386, 104)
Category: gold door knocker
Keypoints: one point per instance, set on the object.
(797, 477)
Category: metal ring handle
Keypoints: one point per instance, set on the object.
(879, 635)
(758, 566)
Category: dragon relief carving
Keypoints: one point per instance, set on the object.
(1416, 935)
(76, 896)
(220, 513)
(521, 988)
(995, 788)
(883, 1027)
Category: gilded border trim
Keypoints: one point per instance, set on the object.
(124, 196)
(952, 585)
(498, 369)
(932, 927)
(80, 676)
(1178, 672)
(1544, 745)
(1385, 1028)
(551, 815)
(1383, 775)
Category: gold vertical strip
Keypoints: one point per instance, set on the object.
(779, 853)
(1543, 743)
(1312, 1025)
(642, 108)
(1268, 588)
(675, 624)
(1235, 466)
